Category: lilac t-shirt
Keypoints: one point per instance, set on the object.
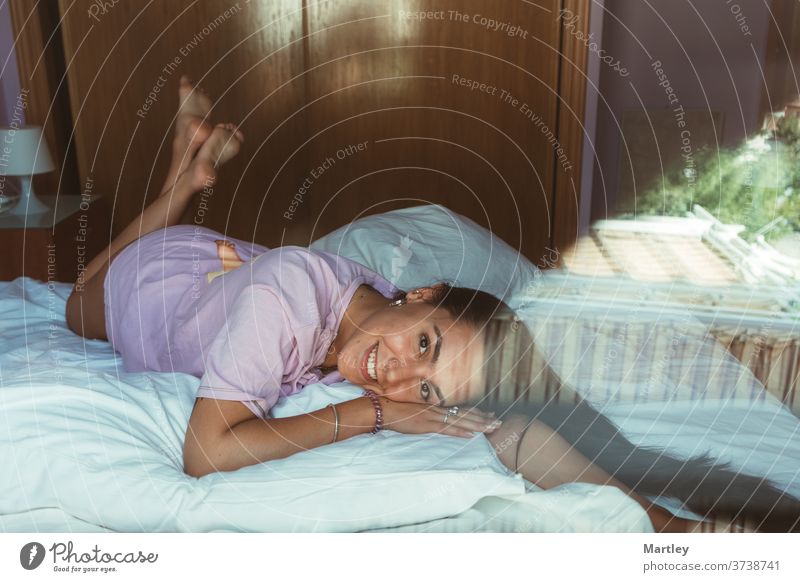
(251, 334)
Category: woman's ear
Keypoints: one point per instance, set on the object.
(428, 294)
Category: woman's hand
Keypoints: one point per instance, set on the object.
(415, 418)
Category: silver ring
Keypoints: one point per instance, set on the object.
(446, 416)
(453, 410)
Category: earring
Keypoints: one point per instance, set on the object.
(398, 302)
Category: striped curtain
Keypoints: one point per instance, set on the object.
(608, 360)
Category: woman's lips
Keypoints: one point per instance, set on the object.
(364, 360)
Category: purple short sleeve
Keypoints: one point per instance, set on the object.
(247, 359)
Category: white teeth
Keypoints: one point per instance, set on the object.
(371, 364)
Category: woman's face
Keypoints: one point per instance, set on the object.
(415, 353)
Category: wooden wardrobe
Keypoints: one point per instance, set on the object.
(349, 108)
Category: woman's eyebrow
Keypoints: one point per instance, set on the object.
(438, 393)
(438, 347)
(436, 351)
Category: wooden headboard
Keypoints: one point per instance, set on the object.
(349, 108)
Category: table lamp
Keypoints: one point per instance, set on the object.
(24, 153)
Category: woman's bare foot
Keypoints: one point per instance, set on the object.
(192, 129)
(221, 146)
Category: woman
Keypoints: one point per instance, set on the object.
(253, 327)
(292, 315)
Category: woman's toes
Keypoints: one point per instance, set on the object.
(185, 89)
(220, 147)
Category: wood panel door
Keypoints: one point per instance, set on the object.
(439, 107)
(350, 108)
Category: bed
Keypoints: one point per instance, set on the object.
(87, 447)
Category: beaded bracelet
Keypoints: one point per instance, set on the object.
(378, 410)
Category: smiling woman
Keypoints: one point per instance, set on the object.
(256, 323)
(282, 319)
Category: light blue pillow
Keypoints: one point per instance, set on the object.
(429, 244)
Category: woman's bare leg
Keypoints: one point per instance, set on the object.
(167, 209)
(547, 460)
(85, 307)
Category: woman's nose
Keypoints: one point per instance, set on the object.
(398, 371)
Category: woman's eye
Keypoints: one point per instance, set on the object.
(425, 391)
(423, 344)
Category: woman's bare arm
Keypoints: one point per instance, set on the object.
(225, 435)
(548, 460)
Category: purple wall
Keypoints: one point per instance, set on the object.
(9, 77)
(711, 59)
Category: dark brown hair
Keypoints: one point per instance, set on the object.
(472, 306)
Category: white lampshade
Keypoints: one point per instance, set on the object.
(24, 152)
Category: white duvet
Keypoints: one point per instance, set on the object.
(85, 446)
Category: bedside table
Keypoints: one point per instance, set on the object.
(54, 245)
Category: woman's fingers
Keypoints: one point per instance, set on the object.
(415, 418)
(465, 422)
(457, 432)
(475, 420)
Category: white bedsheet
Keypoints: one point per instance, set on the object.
(87, 447)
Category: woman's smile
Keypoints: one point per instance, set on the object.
(369, 364)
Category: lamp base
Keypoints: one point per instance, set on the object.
(28, 203)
